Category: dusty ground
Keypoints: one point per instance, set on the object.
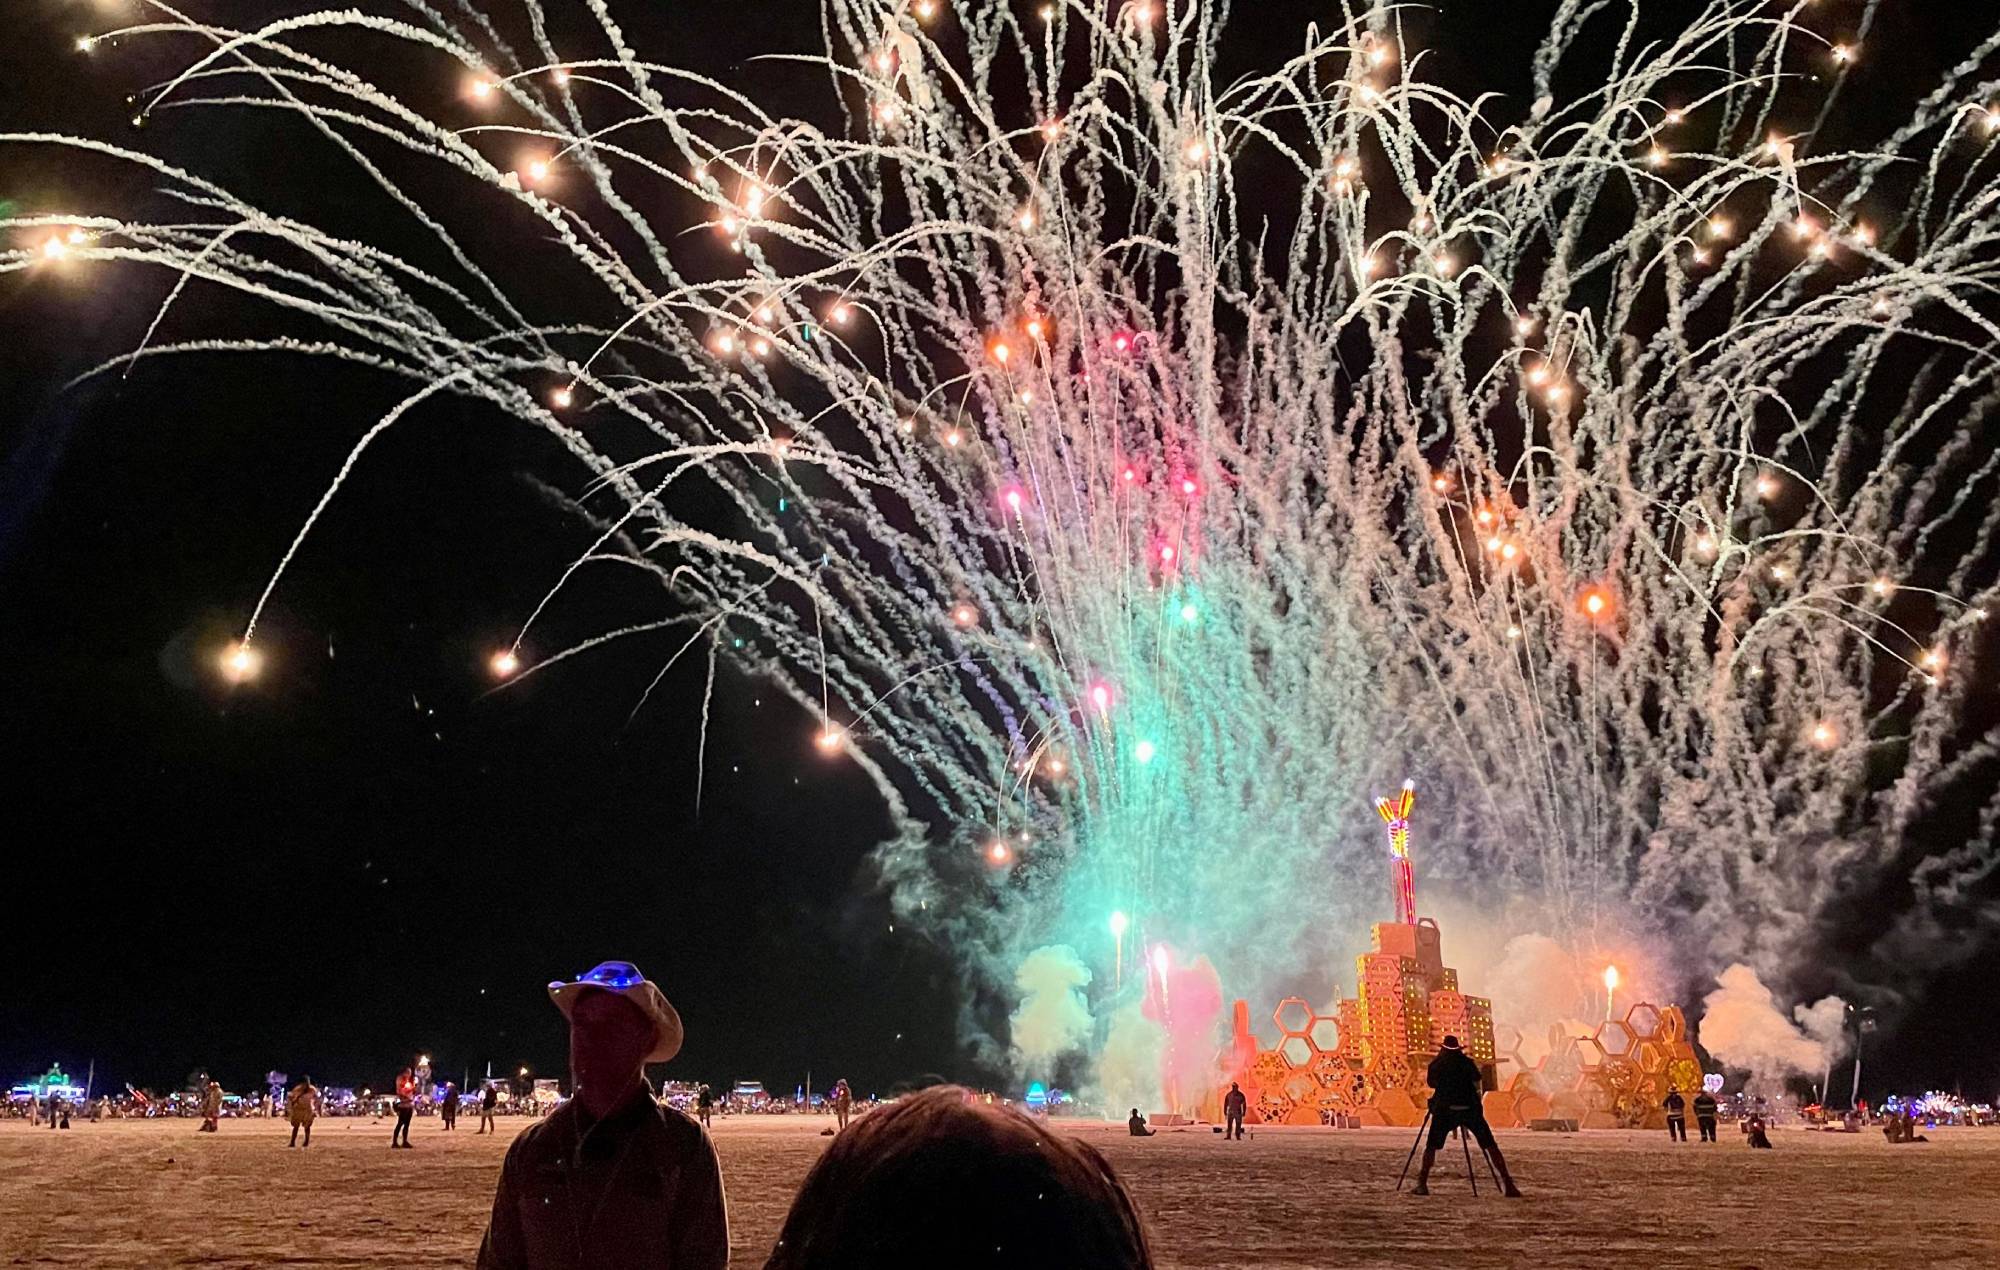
(156, 1194)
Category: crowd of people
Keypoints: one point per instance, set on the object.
(618, 1175)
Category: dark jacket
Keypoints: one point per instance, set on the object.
(639, 1190)
(1704, 1106)
(1455, 1081)
(1676, 1105)
(1234, 1103)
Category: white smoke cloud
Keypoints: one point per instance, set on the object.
(1128, 1067)
(1537, 983)
(1825, 1020)
(1053, 1018)
(1742, 1026)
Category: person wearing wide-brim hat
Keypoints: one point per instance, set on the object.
(612, 1180)
(1457, 1086)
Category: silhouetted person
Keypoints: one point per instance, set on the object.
(1704, 1115)
(1677, 1124)
(1754, 1127)
(489, 1098)
(448, 1108)
(211, 1108)
(1137, 1125)
(302, 1108)
(704, 1102)
(938, 1181)
(1456, 1087)
(1234, 1107)
(843, 1102)
(611, 1180)
(406, 1107)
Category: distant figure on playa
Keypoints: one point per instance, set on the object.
(1234, 1107)
(211, 1108)
(843, 1102)
(1901, 1127)
(704, 1102)
(448, 1108)
(1456, 1088)
(406, 1107)
(58, 1112)
(302, 1108)
(1677, 1122)
(1704, 1115)
(1137, 1125)
(939, 1181)
(1755, 1128)
(611, 1180)
(488, 1099)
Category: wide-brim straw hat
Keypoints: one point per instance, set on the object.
(623, 979)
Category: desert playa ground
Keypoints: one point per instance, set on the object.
(137, 1193)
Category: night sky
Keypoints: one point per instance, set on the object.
(368, 854)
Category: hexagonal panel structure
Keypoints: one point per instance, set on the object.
(1297, 1050)
(1684, 1074)
(1643, 1020)
(1616, 1038)
(1293, 1016)
(1325, 1034)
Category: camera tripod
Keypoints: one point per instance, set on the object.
(1465, 1145)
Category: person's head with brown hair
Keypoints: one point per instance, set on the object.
(940, 1179)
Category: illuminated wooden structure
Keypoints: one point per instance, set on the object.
(1367, 1063)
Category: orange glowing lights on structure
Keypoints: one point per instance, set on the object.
(1364, 1061)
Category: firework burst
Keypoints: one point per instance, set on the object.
(1620, 464)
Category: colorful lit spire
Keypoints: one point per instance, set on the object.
(1395, 813)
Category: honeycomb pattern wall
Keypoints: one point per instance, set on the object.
(1366, 1063)
(1616, 1077)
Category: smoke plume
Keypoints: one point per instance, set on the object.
(1743, 1026)
(1053, 1018)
